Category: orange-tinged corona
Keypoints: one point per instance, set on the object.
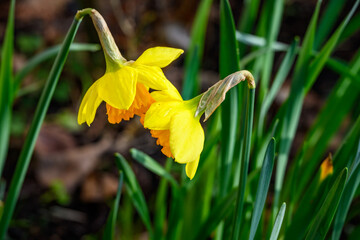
(163, 139)
(140, 105)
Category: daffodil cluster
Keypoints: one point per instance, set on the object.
(125, 86)
(125, 89)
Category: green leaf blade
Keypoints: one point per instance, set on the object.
(134, 191)
(321, 223)
(195, 52)
(278, 222)
(263, 187)
(349, 192)
(218, 213)
(149, 163)
(40, 112)
(6, 82)
(109, 232)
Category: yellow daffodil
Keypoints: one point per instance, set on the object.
(172, 121)
(326, 168)
(176, 123)
(125, 85)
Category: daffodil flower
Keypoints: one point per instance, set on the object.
(125, 85)
(172, 121)
(176, 123)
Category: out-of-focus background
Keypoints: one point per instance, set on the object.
(72, 177)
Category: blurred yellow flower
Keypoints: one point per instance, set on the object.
(172, 121)
(326, 168)
(125, 85)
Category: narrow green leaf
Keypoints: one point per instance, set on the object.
(176, 214)
(109, 232)
(346, 198)
(46, 55)
(344, 70)
(160, 204)
(6, 82)
(277, 83)
(253, 40)
(278, 222)
(152, 165)
(248, 15)
(134, 190)
(348, 146)
(195, 52)
(293, 106)
(320, 60)
(244, 160)
(339, 103)
(28, 148)
(217, 214)
(229, 63)
(273, 19)
(321, 223)
(263, 187)
(327, 21)
(352, 28)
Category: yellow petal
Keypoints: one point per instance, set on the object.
(159, 114)
(159, 56)
(118, 88)
(89, 104)
(191, 168)
(151, 76)
(170, 94)
(186, 137)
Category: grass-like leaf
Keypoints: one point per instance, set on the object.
(40, 112)
(352, 28)
(327, 21)
(46, 55)
(253, 40)
(244, 161)
(278, 222)
(321, 223)
(160, 204)
(195, 52)
(229, 63)
(273, 17)
(217, 214)
(340, 101)
(320, 60)
(263, 187)
(277, 83)
(6, 82)
(152, 165)
(134, 191)
(347, 196)
(294, 105)
(109, 232)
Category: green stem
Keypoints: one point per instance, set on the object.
(244, 164)
(6, 77)
(27, 150)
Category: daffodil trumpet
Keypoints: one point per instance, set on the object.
(125, 85)
(176, 123)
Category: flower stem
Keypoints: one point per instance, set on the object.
(244, 160)
(28, 148)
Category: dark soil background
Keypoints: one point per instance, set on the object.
(72, 177)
